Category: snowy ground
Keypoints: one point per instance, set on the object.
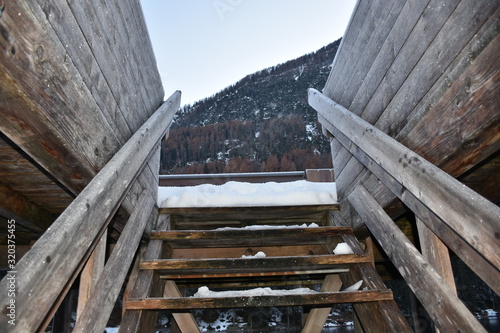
(238, 194)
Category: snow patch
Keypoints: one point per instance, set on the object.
(205, 292)
(241, 194)
(264, 227)
(342, 248)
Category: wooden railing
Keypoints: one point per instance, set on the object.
(47, 271)
(315, 175)
(465, 221)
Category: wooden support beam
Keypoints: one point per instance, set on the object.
(378, 316)
(244, 265)
(91, 273)
(318, 316)
(318, 299)
(436, 253)
(102, 299)
(147, 284)
(446, 309)
(185, 321)
(43, 272)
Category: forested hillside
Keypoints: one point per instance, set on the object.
(261, 123)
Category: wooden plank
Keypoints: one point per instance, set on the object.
(237, 252)
(250, 237)
(148, 284)
(67, 28)
(384, 18)
(185, 321)
(454, 203)
(320, 175)
(445, 308)
(43, 271)
(469, 56)
(318, 316)
(39, 68)
(450, 142)
(91, 273)
(317, 299)
(97, 310)
(373, 317)
(389, 50)
(462, 24)
(241, 265)
(436, 253)
(345, 50)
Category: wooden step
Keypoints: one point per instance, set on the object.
(235, 237)
(213, 217)
(315, 299)
(252, 265)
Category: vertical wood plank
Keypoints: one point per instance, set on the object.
(446, 309)
(102, 299)
(318, 316)
(185, 321)
(436, 253)
(90, 273)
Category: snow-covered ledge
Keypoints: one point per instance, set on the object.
(240, 194)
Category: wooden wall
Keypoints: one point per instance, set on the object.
(77, 79)
(426, 73)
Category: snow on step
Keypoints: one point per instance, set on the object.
(205, 292)
(241, 194)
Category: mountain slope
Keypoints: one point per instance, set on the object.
(261, 123)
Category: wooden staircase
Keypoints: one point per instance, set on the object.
(194, 247)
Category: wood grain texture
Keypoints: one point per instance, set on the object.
(445, 308)
(317, 299)
(441, 193)
(242, 265)
(45, 269)
(103, 296)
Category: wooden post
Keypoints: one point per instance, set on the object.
(56, 258)
(436, 253)
(147, 284)
(318, 316)
(90, 274)
(185, 321)
(102, 299)
(445, 308)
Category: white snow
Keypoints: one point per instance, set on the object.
(355, 286)
(264, 227)
(205, 292)
(240, 194)
(259, 254)
(342, 248)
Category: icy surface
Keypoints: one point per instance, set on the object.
(343, 248)
(205, 292)
(240, 194)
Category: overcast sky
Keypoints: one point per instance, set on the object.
(203, 46)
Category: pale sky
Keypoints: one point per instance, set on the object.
(203, 46)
